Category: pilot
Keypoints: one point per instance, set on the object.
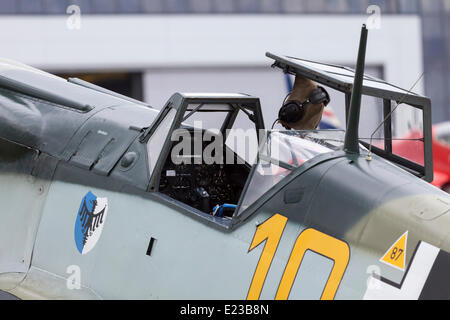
(303, 107)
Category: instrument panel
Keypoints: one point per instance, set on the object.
(201, 185)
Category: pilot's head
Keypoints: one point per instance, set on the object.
(303, 108)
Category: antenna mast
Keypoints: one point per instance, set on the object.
(351, 144)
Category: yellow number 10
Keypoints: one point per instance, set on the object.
(310, 239)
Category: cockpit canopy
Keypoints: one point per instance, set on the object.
(394, 123)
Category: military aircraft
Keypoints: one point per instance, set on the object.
(94, 204)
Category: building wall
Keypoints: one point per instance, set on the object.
(434, 16)
(215, 53)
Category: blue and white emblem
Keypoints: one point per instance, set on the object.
(90, 219)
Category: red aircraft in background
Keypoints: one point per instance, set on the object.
(413, 150)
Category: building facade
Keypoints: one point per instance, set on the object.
(433, 16)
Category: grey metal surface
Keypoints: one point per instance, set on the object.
(103, 90)
(365, 205)
(7, 296)
(50, 127)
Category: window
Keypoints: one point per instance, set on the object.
(407, 133)
(265, 176)
(200, 170)
(206, 116)
(282, 152)
(157, 139)
(371, 117)
(242, 138)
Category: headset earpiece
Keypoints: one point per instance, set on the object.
(291, 112)
(319, 95)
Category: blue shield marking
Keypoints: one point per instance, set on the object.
(89, 223)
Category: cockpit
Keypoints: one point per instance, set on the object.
(208, 144)
(211, 153)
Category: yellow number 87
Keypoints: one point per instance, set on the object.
(310, 239)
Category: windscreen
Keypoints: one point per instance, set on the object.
(296, 147)
(283, 151)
